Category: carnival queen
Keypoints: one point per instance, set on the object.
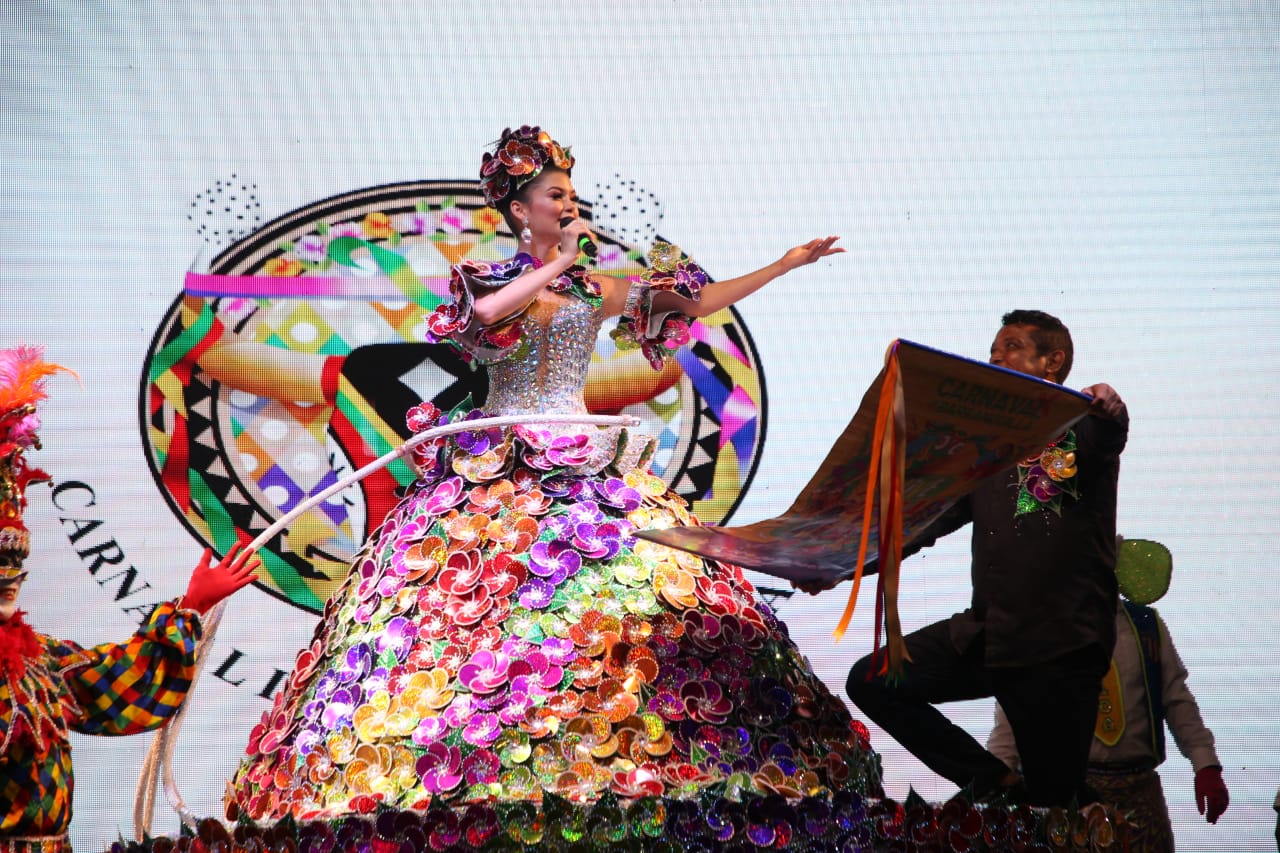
(503, 635)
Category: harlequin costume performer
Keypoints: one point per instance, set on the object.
(50, 686)
(503, 638)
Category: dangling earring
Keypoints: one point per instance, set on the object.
(526, 236)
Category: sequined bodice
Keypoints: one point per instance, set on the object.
(549, 370)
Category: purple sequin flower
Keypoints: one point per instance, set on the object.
(555, 526)
(1041, 485)
(565, 486)
(598, 541)
(689, 278)
(312, 710)
(326, 685)
(584, 511)
(339, 710)
(559, 650)
(536, 593)
(554, 560)
(356, 665)
(491, 701)
(398, 637)
(478, 441)
(618, 494)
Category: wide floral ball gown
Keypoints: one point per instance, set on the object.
(503, 634)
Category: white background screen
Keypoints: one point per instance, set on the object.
(1116, 164)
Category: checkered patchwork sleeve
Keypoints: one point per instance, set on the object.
(134, 686)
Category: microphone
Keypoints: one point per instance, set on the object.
(586, 245)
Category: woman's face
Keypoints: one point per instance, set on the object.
(546, 200)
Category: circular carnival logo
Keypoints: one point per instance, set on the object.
(291, 357)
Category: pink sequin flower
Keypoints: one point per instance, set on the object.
(448, 493)
(568, 451)
(430, 730)
(485, 672)
(439, 768)
(482, 730)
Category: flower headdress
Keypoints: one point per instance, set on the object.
(519, 156)
(22, 377)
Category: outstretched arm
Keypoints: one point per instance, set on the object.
(265, 370)
(126, 688)
(722, 294)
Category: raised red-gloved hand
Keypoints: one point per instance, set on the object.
(1211, 793)
(210, 584)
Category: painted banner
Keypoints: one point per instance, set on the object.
(964, 422)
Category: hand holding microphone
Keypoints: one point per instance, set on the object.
(586, 245)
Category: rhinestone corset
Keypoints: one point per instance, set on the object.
(548, 371)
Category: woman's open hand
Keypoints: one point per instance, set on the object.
(808, 253)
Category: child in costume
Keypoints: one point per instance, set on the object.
(50, 686)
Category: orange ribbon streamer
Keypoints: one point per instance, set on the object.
(884, 486)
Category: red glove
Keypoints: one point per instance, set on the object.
(211, 584)
(1211, 793)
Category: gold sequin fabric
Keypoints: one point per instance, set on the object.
(1140, 796)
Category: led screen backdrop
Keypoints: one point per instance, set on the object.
(169, 167)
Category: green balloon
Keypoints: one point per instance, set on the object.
(1143, 570)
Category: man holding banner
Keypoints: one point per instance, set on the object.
(1039, 633)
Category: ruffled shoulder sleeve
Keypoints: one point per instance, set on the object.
(659, 333)
(454, 322)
